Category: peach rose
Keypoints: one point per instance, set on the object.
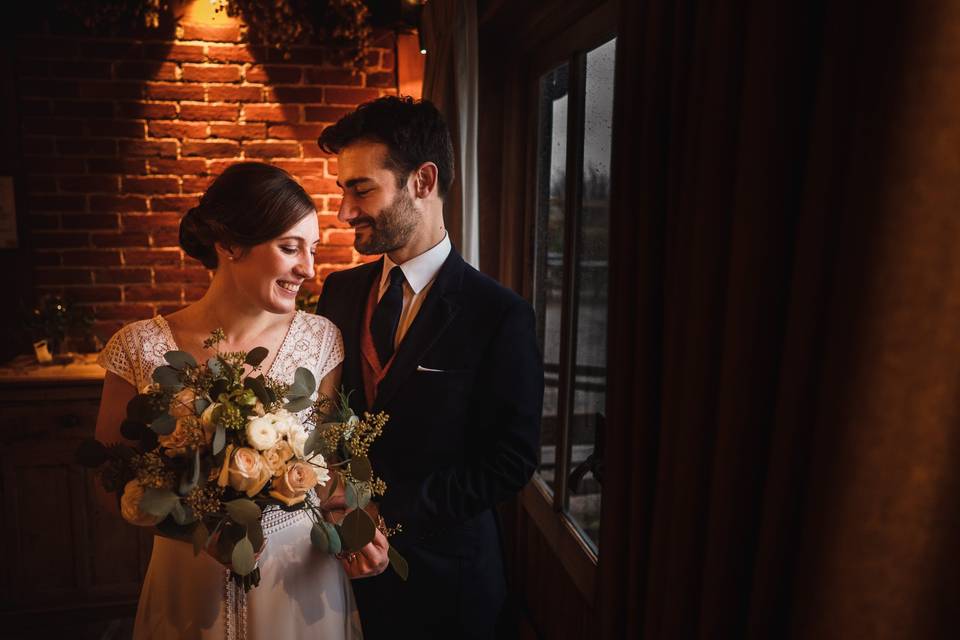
(183, 436)
(277, 456)
(291, 487)
(247, 471)
(182, 404)
(130, 506)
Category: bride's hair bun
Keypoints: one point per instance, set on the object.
(196, 238)
(248, 204)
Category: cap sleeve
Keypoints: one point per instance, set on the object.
(117, 358)
(332, 354)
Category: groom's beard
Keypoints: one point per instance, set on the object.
(391, 229)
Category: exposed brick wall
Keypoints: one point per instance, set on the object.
(121, 136)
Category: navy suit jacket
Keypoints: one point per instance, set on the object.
(464, 395)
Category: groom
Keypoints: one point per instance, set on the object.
(450, 355)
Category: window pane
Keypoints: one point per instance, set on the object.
(593, 233)
(548, 280)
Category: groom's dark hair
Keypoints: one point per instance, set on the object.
(414, 132)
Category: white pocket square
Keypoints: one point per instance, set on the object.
(419, 368)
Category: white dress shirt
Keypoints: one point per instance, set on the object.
(419, 274)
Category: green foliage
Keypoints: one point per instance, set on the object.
(357, 529)
(256, 356)
(180, 360)
(243, 511)
(242, 558)
(159, 502)
(398, 562)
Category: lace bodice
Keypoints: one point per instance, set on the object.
(137, 349)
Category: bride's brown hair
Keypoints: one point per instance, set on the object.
(248, 204)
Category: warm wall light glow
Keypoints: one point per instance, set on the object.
(202, 12)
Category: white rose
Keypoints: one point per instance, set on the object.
(320, 468)
(261, 432)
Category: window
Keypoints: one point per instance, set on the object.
(571, 236)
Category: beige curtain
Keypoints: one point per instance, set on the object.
(450, 82)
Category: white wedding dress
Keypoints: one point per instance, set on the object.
(302, 593)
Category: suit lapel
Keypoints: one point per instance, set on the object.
(438, 310)
(351, 329)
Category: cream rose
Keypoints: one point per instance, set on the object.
(261, 432)
(182, 404)
(291, 487)
(130, 506)
(247, 471)
(320, 468)
(182, 436)
(277, 456)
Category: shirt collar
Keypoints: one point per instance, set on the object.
(421, 270)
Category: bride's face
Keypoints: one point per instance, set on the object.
(271, 273)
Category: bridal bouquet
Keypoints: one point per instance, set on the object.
(217, 442)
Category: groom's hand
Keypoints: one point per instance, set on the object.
(370, 561)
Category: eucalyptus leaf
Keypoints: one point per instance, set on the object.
(148, 441)
(219, 439)
(255, 533)
(319, 539)
(259, 388)
(357, 529)
(199, 537)
(132, 429)
(298, 404)
(191, 476)
(398, 562)
(360, 468)
(219, 386)
(215, 365)
(243, 511)
(256, 356)
(142, 409)
(91, 453)
(312, 444)
(167, 377)
(350, 495)
(363, 495)
(159, 502)
(242, 559)
(304, 384)
(179, 359)
(181, 513)
(333, 536)
(164, 424)
(200, 405)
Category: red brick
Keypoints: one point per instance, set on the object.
(295, 94)
(187, 275)
(330, 221)
(165, 237)
(211, 149)
(151, 185)
(192, 111)
(34, 69)
(173, 91)
(346, 77)
(62, 276)
(116, 165)
(299, 55)
(121, 276)
(44, 221)
(238, 131)
(111, 90)
(37, 146)
(177, 129)
(229, 53)
(95, 294)
(90, 184)
(124, 311)
(274, 74)
(91, 258)
(149, 221)
(387, 60)
(45, 258)
(311, 149)
(116, 128)
(384, 79)
(44, 165)
(317, 184)
(148, 109)
(156, 293)
(136, 70)
(45, 47)
(196, 185)
(98, 221)
(81, 69)
(118, 203)
(334, 255)
(111, 50)
(133, 239)
(372, 61)
(325, 114)
(210, 32)
(61, 239)
(182, 166)
(270, 113)
(300, 167)
(44, 88)
(163, 149)
(56, 203)
(86, 147)
(173, 203)
(88, 108)
(152, 257)
(52, 126)
(175, 53)
(211, 73)
(352, 97)
(221, 93)
(271, 149)
(339, 237)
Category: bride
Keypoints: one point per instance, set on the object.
(257, 228)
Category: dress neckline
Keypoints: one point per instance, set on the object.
(165, 327)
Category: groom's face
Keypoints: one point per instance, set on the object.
(381, 212)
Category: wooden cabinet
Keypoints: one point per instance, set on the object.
(62, 551)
